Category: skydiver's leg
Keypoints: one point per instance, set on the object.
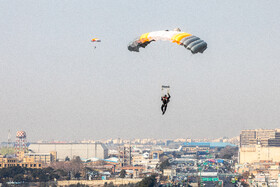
(165, 108)
(162, 106)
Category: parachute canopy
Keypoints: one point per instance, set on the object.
(189, 41)
(95, 40)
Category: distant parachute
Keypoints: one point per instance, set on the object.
(192, 43)
(95, 40)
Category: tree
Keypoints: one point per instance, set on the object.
(176, 154)
(73, 167)
(148, 181)
(111, 184)
(77, 175)
(228, 152)
(18, 178)
(10, 172)
(123, 173)
(19, 174)
(244, 184)
(245, 175)
(165, 164)
(43, 177)
(78, 185)
(252, 176)
(77, 159)
(61, 173)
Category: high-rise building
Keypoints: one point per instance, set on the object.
(264, 137)
(246, 136)
(259, 145)
(124, 155)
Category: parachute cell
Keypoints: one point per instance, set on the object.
(192, 43)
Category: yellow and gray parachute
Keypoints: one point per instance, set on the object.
(192, 43)
(95, 40)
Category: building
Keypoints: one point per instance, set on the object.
(169, 172)
(258, 153)
(124, 155)
(265, 137)
(45, 158)
(263, 173)
(193, 147)
(71, 150)
(28, 163)
(135, 170)
(259, 145)
(155, 154)
(146, 161)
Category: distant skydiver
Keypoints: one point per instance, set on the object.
(95, 40)
(165, 100)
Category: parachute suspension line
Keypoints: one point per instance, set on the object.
(94, 48)
(165, 90)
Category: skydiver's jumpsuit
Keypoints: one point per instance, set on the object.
(165, 100)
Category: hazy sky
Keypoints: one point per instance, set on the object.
(56, 86)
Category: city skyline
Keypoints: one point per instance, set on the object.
(54, 83)
(12, 138)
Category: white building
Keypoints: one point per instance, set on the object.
(83, 150)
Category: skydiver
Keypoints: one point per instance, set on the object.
(165, 100)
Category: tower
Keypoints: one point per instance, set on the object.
(124, 155)
(20, 141)
(9, 139)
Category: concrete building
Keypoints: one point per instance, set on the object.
(257, 153)
(71, 150)
(45, 158)
(265, 137)
(259, 145)
(194, 147)
(169, 172)
(146, 161)
(12, 162)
